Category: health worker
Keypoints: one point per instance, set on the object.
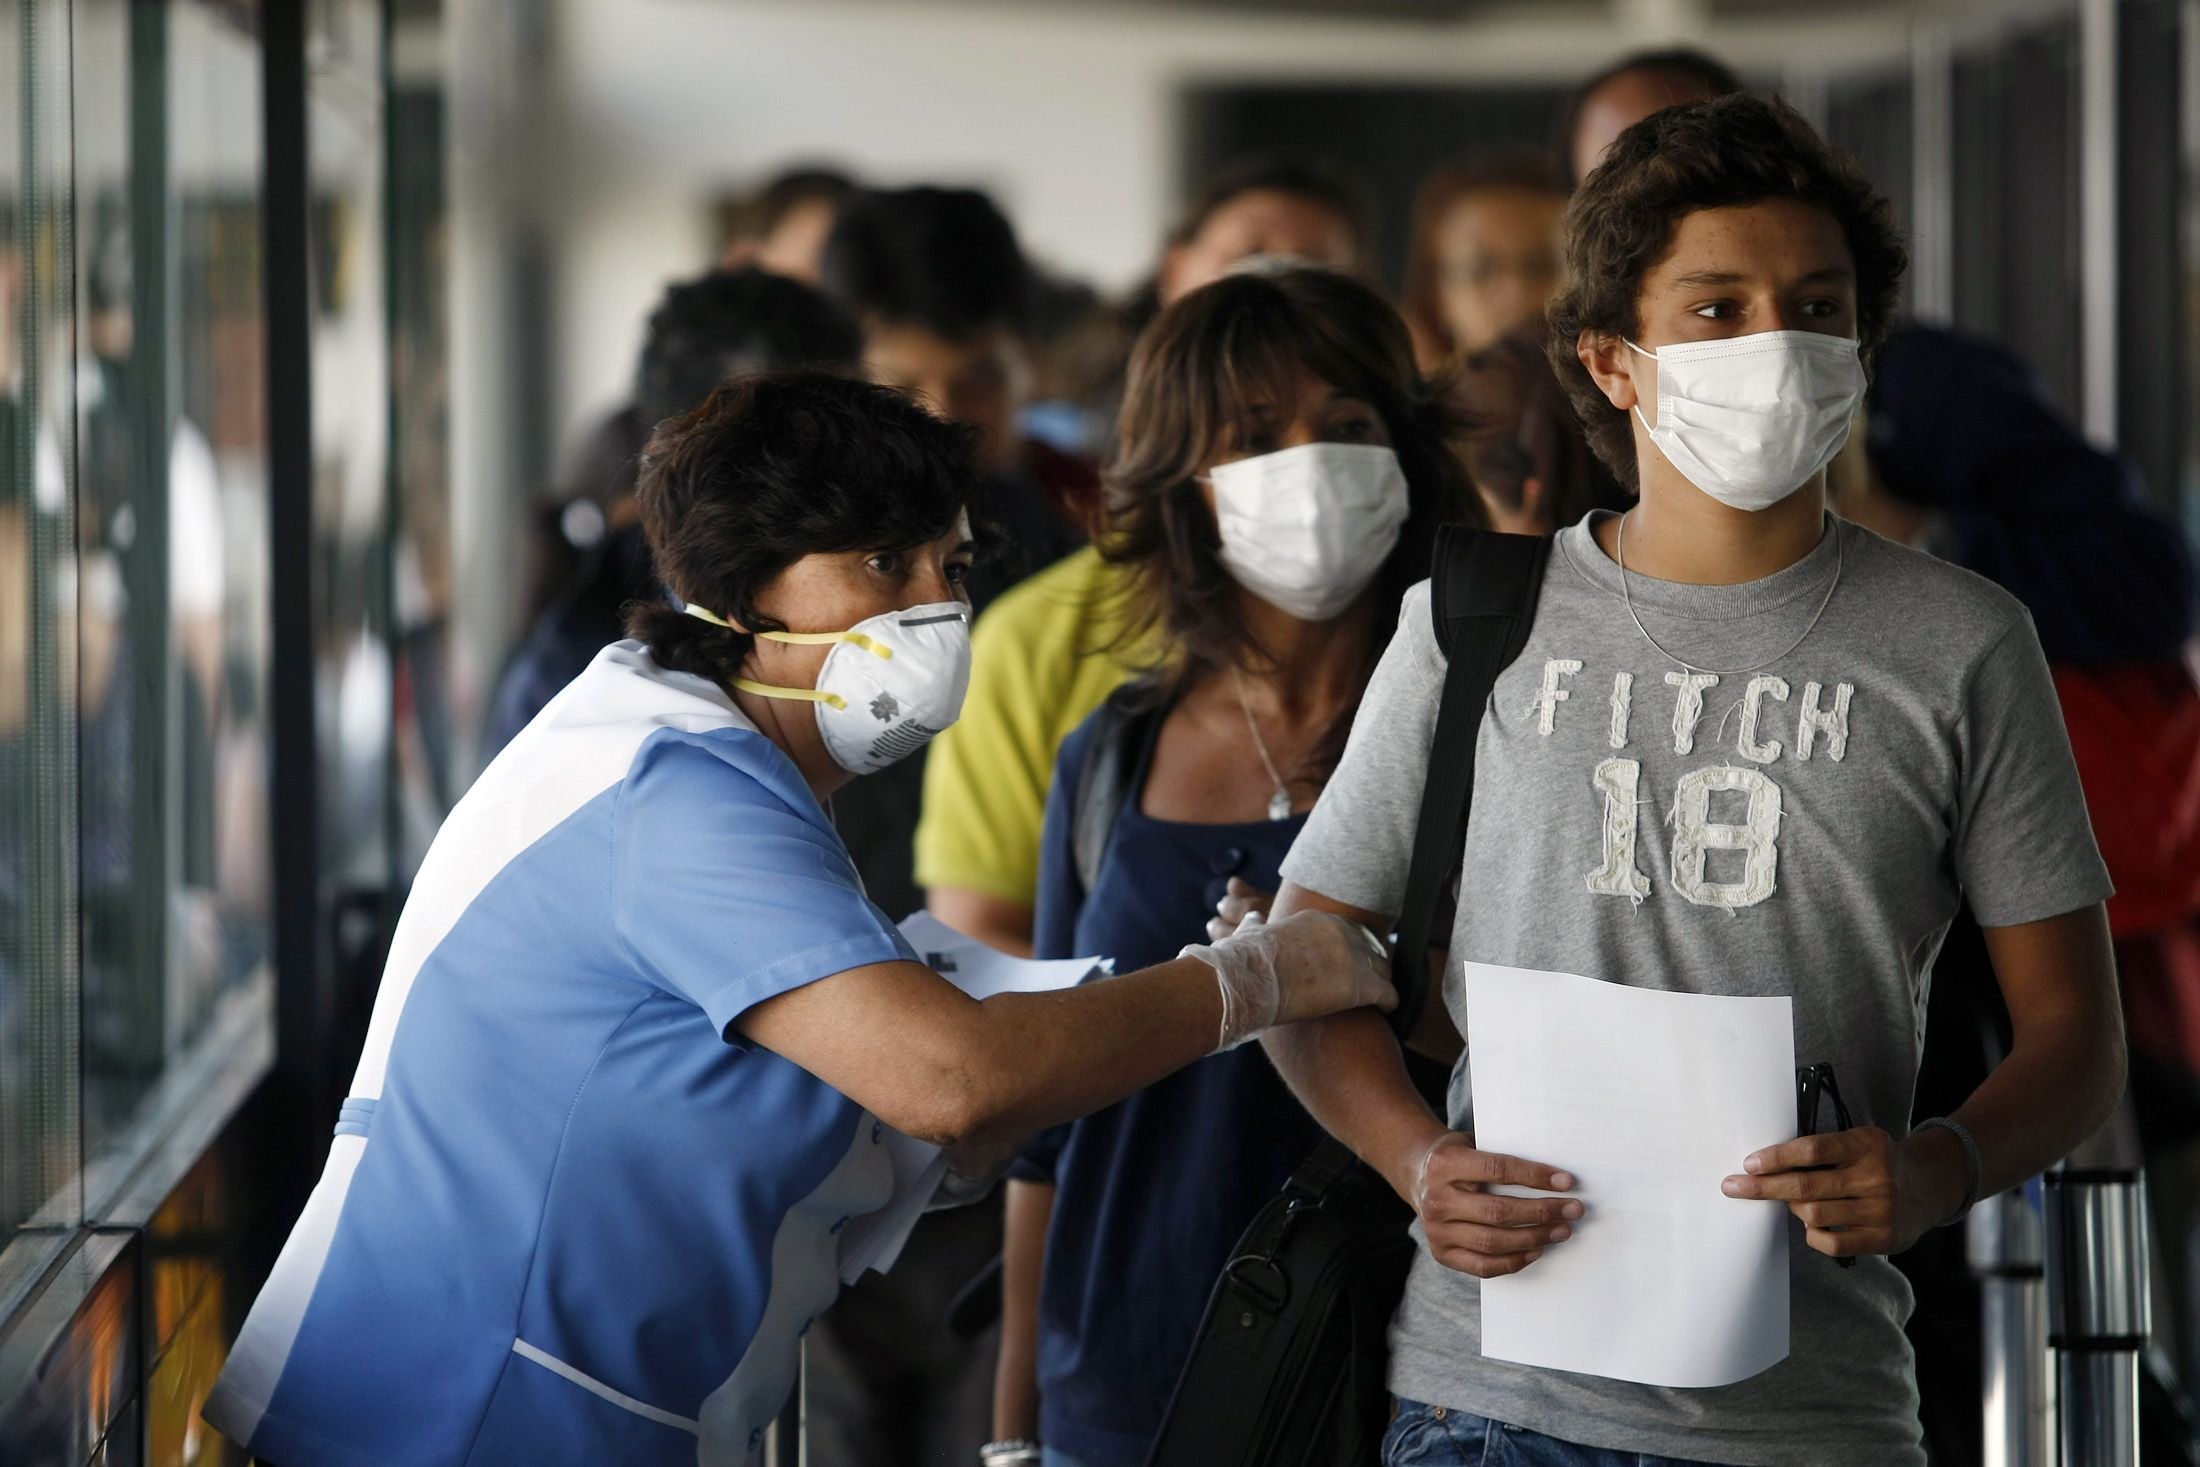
(642, 1040)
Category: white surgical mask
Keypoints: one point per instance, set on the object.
(1751, 419)
(1306, 528)
(890, 683)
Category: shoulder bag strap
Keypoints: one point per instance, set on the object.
(1104, 777)
(1482, 595)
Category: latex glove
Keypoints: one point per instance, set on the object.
(1309, 965)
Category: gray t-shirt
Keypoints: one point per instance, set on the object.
(1806, 829)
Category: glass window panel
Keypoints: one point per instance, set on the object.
(430, 701)
(352, 521)
(174, 864)
(118, 651)
(222, 622)
(39, 1149)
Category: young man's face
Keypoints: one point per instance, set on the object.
(1781, 265)
(979, 380)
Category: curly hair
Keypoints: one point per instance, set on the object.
(1242, 339)
(1736, 150)
(773, 467)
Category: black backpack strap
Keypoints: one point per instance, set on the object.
(1482, 593)
(1121, 727)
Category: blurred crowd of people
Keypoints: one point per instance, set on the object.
(1069, 1322)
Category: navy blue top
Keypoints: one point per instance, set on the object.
(1152, 1193)
(1963, 426)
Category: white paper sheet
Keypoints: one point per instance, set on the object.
(1650, 1100)
(874, 1241)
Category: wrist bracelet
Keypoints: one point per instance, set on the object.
(1013, 1452)
(1973, 1168)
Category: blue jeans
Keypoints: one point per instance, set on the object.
(1431, 1436)
(1051, 1458)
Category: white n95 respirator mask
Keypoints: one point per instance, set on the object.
(890, 683)
(1305, 529)
(1751, 419)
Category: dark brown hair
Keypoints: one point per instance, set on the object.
(773, 467)
(1736, 150)
(1441, 192)
(1246, 338)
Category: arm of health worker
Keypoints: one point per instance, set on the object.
(933, 1063)
(1434, 1036)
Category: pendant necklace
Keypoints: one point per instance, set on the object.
(1619, 554)
(1279, 803)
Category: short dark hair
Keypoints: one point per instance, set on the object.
(1733, 151)
(944, 259)
(772, 467)
(729, 322)
(1297, 178)
(1191, 375)
(1684, 65)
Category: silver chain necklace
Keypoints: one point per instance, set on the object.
(1619, 553)
(1279, 803)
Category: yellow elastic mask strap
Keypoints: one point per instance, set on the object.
(710, 616)
(801, 639)
(819, 639)
(807, 695)
(808, 639)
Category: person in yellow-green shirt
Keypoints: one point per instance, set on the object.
(1043, 657)
(1045, 652)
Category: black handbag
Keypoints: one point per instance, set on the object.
(1288, 1368)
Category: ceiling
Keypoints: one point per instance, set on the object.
(1454, 10)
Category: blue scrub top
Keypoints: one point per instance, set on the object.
(1152, 1193)
(569, 1215)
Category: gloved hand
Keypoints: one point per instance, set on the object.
(1309, 965)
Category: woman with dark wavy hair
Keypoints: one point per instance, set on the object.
(1282, 472)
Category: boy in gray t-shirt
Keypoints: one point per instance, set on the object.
(1772, 757)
